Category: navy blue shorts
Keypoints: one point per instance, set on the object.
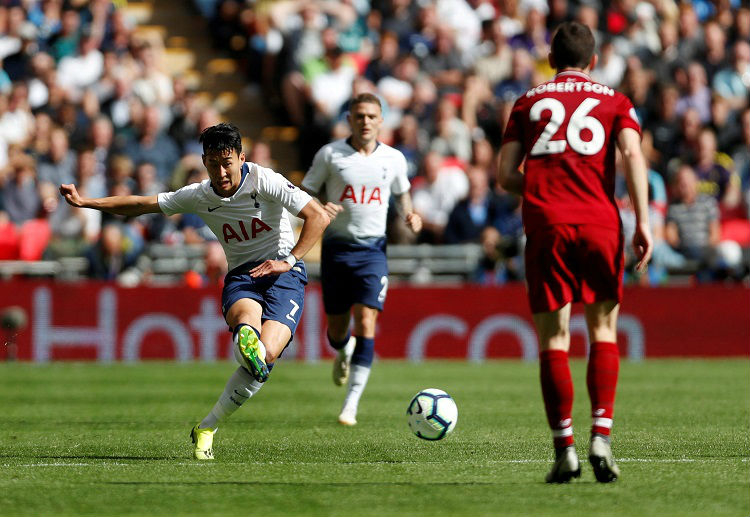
(282, 297)
(353, 273)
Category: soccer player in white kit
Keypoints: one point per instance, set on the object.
(355, 178)
(246, 206)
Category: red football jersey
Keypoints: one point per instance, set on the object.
(568, 129)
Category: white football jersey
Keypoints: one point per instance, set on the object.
(253, 224)
(361, 184)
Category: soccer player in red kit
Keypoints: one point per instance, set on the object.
(567, 132)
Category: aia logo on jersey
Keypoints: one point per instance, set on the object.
(256, 226)
(364, 197)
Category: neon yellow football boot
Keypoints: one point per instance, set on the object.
(204, 441)
(253, 353)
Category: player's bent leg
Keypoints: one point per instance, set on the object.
(275, 336)
(361, 361)
(343, 342)
(244, 316)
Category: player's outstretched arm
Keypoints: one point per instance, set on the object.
(315, 221)
(636, 175)
(509, 177)
(121, 205)
(406, 209)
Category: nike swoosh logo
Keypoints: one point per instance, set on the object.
(212, 209)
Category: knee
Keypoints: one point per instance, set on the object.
(364, 324)
(559, 340)
(337, 331)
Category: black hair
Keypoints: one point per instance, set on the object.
(221, 138)
(572, 45)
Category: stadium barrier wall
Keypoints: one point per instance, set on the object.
(105, 322)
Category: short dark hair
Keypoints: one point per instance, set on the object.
(572, 45)
(364, 98)
(221, 138)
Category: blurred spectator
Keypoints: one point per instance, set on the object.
(101, 139)
(58, 166)
(260, 153)
(715, 179)
(113, 255)
(508, 90)
(665, 126)
(385, 60)
(438, 190)
(153, 87)
(495, 65)
(65, 42)
(715, 52)
(80, 70)
(724, 123)
(733, 82)
(443, 64)
(411, 141)
(690, 33)
(20, 196)
(741, 153)
(611, 66)
(153, 145)
(697, 95)
(214, 268)
(692, 229)
(452, 136)
(481, 208)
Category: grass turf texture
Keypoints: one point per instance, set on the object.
(85, 439)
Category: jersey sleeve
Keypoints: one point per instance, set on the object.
(625, 117)
(514, 128)
(318, 173)
(182, 201)
(401, 182)
(276, 187)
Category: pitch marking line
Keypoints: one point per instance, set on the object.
(202, 464)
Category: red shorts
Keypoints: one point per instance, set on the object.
(573, 263)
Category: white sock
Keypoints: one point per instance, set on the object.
(358, 376)
(240, 387)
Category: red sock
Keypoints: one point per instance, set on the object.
(557, 390)
(601, 379)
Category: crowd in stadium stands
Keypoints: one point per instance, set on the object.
(83, 100)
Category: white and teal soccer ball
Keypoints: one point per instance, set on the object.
(432, 414)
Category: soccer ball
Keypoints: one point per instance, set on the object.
(432, 414)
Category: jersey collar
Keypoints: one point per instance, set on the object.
(349, 143)
(572, 73)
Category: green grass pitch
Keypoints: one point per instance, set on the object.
(86, 439)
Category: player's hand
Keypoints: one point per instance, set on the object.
(332, 209)
(270, 267)
(643, 246)
(71, 195)
(414, 222)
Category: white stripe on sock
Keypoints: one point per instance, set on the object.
(562, 433)
(603, 422)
